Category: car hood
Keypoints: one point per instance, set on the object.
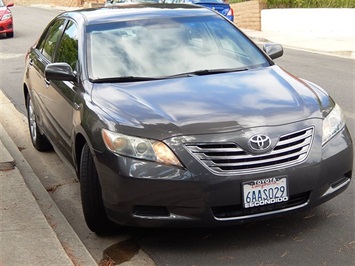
(208, 104)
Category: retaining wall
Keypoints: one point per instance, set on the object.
(247, 15)
(48, 2)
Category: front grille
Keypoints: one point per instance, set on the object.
(291, 149)
(225, 212)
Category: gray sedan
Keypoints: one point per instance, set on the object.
(171, 116)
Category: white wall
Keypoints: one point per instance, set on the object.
(323, 21)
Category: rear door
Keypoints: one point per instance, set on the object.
(42, 55)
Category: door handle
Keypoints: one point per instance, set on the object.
(47, 82)
(77, 106)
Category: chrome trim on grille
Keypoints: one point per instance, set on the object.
(228, 158)
(262, 213)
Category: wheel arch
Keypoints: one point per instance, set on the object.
(25, 93)
(79, 144)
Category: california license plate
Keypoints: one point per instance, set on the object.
(265, 191)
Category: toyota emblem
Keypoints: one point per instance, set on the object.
(259, 142)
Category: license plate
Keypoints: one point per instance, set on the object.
(265, 191)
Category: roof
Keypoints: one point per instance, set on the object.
(127, 12)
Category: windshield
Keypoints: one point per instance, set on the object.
(168, 46)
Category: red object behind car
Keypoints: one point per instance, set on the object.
(6, 21)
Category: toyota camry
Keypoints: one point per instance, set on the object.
(171, 116)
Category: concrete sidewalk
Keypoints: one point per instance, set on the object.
(33, 231)
(26, 236)
(312, 42)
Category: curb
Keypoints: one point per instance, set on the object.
(69, 240)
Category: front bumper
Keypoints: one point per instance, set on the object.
(147, 194)
(6, 26)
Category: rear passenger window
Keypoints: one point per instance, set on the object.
(48, 45)
(68, 47)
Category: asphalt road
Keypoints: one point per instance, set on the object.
(322, 236)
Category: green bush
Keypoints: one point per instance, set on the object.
(306, 3)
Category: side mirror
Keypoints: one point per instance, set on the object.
(59, 71)
(273, 50)
(10, 4)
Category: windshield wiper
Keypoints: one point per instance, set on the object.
(123, 79)
(203, 72)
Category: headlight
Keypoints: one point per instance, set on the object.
(139, 148)
(6, 16)
(332, 123)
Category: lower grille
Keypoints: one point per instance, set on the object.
(238, 210)
(151, 211)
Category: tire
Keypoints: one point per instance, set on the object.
(10, 34)
(91, 196)
(39, 141)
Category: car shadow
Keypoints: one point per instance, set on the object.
(163, 244)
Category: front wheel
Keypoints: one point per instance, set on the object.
(91, 196)
(39, 141)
